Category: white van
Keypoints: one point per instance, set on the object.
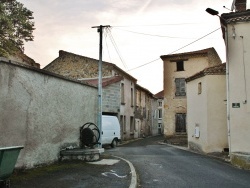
(110, 130)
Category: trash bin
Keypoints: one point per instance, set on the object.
(8, 158)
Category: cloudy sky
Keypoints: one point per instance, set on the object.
(141, 31)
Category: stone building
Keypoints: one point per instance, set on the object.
(145, 119)
(118, 86)
(160, 111)
(177, 67)
(19, 58)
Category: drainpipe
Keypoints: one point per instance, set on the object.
(228, 90)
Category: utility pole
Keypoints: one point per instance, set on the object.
(99, 120)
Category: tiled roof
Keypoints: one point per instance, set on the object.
(159, 95)
(144, 89)
(199, 52)
(215, 70)
(242, 16)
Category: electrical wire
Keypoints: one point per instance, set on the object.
(105, 34)
(157, 25)
(153, 34)
(116, 47)
(177, 49)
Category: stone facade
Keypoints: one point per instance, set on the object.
(118, 95)
(145, 121)
(160, 111)
(20, 58)
(177, 67)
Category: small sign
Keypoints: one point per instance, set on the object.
(236, 105)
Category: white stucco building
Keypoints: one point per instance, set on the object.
(236, 27)
(206, 110)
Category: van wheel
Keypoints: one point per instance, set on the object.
(114, 143)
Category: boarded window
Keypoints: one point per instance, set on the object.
(180, 87)
(180, 122)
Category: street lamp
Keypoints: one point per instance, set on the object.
(212, 11)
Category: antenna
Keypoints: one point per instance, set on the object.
(227, 8)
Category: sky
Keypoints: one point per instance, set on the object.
(140, 32)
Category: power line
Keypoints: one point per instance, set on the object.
(157, 25)
(153, 34)
(176, 50)
(116, 47)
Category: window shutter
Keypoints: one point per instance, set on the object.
(180, 87)
(177, 86)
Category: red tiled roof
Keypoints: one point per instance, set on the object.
(159, 95)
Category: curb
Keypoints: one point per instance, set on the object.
(133, 183)
(186, 149)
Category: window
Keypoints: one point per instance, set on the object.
(132, 127)
(199, 88)
(122, 93)
(132, 97)
(123, 123)
(160, 103)
(148, 114)
(179, 66)
(180, 89)
(160, 114)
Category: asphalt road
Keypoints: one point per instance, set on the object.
(166, 166)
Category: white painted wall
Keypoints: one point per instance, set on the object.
(42, 112)
(207, 111)
(239, 85)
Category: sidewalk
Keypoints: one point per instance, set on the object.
(110, 171)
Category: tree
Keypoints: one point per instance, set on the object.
(16, 26)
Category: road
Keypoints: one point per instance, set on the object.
(159, 165)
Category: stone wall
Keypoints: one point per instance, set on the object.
(42, 112)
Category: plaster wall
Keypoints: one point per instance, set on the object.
(239, 86)
(42, 112)
(197, 115)
(217, 113)
(127, 108)
(207, 112)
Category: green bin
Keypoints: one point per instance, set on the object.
(8, 158)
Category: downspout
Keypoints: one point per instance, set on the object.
(228, 91)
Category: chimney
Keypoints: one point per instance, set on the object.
(61, 53)
(240, 5)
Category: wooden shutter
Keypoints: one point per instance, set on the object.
(180, 86)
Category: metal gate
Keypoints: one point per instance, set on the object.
(180, 122)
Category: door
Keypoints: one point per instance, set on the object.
(180, 122)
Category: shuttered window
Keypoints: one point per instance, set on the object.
(180, 87)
